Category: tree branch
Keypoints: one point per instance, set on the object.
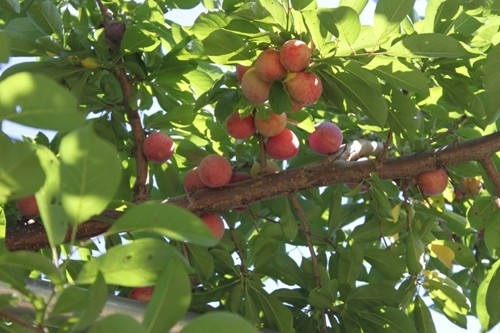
(141, 183)
(287, 182)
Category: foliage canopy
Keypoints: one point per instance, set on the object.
(375, 251)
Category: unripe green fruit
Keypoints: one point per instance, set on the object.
(271, 167)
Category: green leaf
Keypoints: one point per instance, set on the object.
(302, 4)
(414, 251)
(398, 74)
(20, 171)
(386, 262)
(98, 295)
(117, 323)
(37, 101)
(22, 34)
(275, 12)
(492, 237)
(137, 264)
(46, 15)
(182, 4)
(280, 266)
(137, 39)
(422, 317)
(90, 174)
(228, 103)
(463, 254)
(275, 311)
(201, 260)
(219, 322)
(13, 5)
(350, 265)
(4, 47)
(222, 46)
(47, 198)
(491, 80)
(71, 299)
(319, 33)
(32, 261)
(388, 16)
(439, 14)
(431, 45)
(488, 298)
(207, 23)
(447, 296)
(16, 277)
(482, 212)
(357, 5)
(279, 100)
(402, 116)
(387, 320)
(324, 297)
(171, 298)
(362, 93)
(342, 22)
(373, 295)
(165, 219)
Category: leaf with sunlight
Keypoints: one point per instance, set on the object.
(90, 174)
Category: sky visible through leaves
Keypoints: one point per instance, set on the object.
(179, 16)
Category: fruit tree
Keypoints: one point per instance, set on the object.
(276, 165)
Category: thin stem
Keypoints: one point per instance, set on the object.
(20, 321)
(239, 250)
(454, 126)
(141, 183)
(383, 154)
(262, 157)
(307, 234)
(407, 208)
(492, 172)
(314, 259)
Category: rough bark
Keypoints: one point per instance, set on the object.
(32, 237)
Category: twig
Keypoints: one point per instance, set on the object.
(262, 157)
(492, 173)
(314, 258)
(385, 149)
(20, 321)
(141, 183)
(307, 234)
(105, 12)
(239, 250)
(459, 122)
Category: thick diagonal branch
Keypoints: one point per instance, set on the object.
(296, 180)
